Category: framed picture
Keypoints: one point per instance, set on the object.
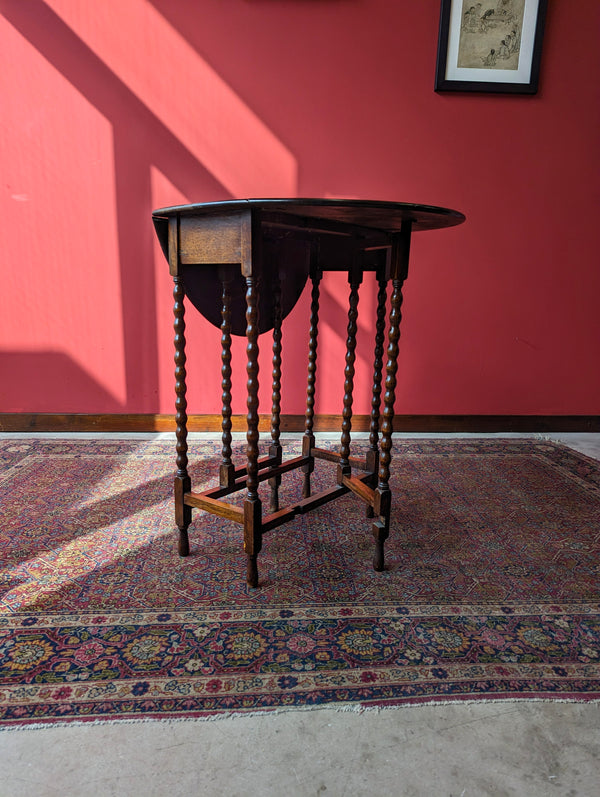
(491, 45)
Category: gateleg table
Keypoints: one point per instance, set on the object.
(243, 265)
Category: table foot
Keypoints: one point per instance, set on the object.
(252, 571)
(275, 451)
(184, 543)
(252, 538)
(183, 513)
(308, 443)
(380, 532)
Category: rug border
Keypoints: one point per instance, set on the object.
(153, 447)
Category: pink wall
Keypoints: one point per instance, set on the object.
(112, 109)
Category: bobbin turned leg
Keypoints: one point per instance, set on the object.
(183, 513)
(275, 447)
(308, 441)
(252, 504)
(373, 451)
(344, 468)
(226, 470)
(383, 495)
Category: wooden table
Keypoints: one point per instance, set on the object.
(220, 256)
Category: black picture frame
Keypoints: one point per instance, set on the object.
(467, 34)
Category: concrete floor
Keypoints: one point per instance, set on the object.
(467, 750)
(527, 749)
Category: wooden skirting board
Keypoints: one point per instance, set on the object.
(138, 422)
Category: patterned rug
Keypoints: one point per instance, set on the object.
(491, 588)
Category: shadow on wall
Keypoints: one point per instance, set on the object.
(145, 126)
(50, 381)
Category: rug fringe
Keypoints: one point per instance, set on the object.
(342, 708)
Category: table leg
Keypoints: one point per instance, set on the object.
(252, 504)
(373, 451)
(344, 468)
(308, 441)
(183, 513)
(227, 470)
(383, 495)
(275, 448)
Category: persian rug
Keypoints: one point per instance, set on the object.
(491, 588)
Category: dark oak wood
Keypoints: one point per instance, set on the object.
(252, 538)
(382, 503)
(219, 254)
(305, 505)
(372, 458)
(183, 513)
(344, 463)
(275, 449)
(312, 353)
(273, 469)
(360, 488)
(215, 506)
(373, 455)
(333, 456)
(263, 462)
(252, 504)
(389, 398)
(227, 468)
(252, 434)
(212, 235)
(308, 442)
(314, 214)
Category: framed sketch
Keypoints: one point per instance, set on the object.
(490, 45)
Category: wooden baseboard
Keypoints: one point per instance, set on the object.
(56, 422)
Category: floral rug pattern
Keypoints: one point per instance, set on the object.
(491, 587)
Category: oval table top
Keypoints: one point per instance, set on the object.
(374, 214)
(210, 234)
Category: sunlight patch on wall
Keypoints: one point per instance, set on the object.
(186, 94)
(61, 285)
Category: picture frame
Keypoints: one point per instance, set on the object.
(490, 45)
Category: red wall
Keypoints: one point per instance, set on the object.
(112, 109)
